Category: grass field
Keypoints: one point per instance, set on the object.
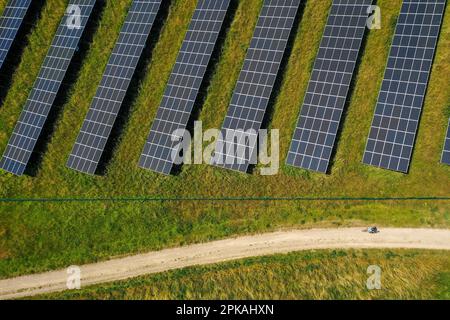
(37, 236)
(406, 274)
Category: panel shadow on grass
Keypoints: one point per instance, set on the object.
(132, 94)
(348, 99)
(19, 44)
(281, 74)
(210, 71)
(64, 91)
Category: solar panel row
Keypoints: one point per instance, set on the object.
(10, 23)
(446, 152)
(393, 132)
(328, 88)
(237, 146)
(46, 87)
(113, 87)
(181, 93)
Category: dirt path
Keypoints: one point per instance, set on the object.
(225, 250)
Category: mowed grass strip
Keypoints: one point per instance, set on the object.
(41, 236)
(405, 274)
(3, 4)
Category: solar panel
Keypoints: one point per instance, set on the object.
(10, 23)
(236, 148)
(184, 83)
(46, 87)
(328, 88)
(113, 87)
(397, 114)
(446, 152)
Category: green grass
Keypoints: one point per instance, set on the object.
(39, 236)
(406, 274)
(444, 286)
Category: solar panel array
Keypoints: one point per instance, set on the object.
(446, 152)
(46, 87)
(328, 88)
(185, 81)
(254, 87)
(393, 132)
(113, 87)
(10, 23)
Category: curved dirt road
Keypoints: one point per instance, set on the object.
(225, 250)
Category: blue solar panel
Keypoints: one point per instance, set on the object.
(46, 87)
(322, 109)
(446, 152)
(185, 81)
(105, 107)
(10, 23)
(237, 146)
(397, 114)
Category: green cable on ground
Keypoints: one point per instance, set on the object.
(224, 199)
